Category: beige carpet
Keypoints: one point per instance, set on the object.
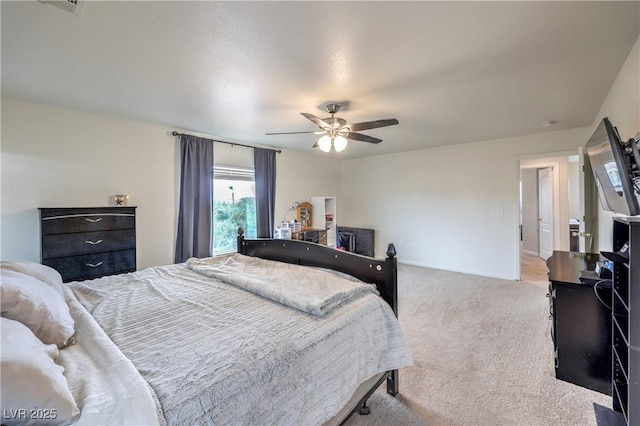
(482, 356)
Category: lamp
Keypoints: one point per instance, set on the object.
(293, 206)
(324, 143)
(339, 142)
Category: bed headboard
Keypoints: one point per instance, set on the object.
(381, 272)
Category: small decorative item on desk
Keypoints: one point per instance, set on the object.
(120, 200)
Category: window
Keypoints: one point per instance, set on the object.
(234, 205)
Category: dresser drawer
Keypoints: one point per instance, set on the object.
(86, 220)
(61, 245)
(76, 268)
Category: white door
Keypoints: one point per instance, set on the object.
(587, 236)
(545, 206)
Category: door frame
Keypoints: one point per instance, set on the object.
(560, 206)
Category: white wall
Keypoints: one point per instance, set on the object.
(436, 204)
(622, 106)
(441, 206)
(54, 157)
(301, 177)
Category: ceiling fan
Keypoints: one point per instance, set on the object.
(336, 130)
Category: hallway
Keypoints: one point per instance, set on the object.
(533, 267)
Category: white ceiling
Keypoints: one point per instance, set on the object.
(450, 72)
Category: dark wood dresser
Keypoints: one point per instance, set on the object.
(88, 242)
(313, 235)
(581, 315)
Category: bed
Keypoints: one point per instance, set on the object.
(216, 341)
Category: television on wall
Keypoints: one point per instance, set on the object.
(615, 169)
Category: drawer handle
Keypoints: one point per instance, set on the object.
(93, 220)
(94, 265)
(93, 243)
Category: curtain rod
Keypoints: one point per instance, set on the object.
(174, 133)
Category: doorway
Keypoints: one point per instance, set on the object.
(549, 204)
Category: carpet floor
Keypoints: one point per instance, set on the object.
(482, 355)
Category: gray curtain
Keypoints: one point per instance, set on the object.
(264, 164)
(196, 198)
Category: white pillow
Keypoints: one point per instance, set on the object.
(37, 305)
(42, 272)
(33, 388)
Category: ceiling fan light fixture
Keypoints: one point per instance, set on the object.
(340, 143)
(324, 143)
(336, 130)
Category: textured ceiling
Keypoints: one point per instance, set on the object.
(450, 72)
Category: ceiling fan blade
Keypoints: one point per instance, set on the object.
(315, 145)
(315, 119)
(362, 138)
(372, 124)
(288, 133)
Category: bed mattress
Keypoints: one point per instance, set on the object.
(209, 352)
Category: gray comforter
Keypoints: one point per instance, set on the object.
(310, 290)
(217, 354)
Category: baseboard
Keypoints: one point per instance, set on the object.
(423, 265)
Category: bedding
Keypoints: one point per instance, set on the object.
(37, 305)
(33, 387)
(213, 353)
(44, 273)
(310, 290)
(104, 383)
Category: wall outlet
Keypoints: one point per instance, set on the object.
(497, 211)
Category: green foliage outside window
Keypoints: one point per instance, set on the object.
(228, 216)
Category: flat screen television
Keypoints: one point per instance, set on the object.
(613, 163)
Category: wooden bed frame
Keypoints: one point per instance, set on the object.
(381, 272)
